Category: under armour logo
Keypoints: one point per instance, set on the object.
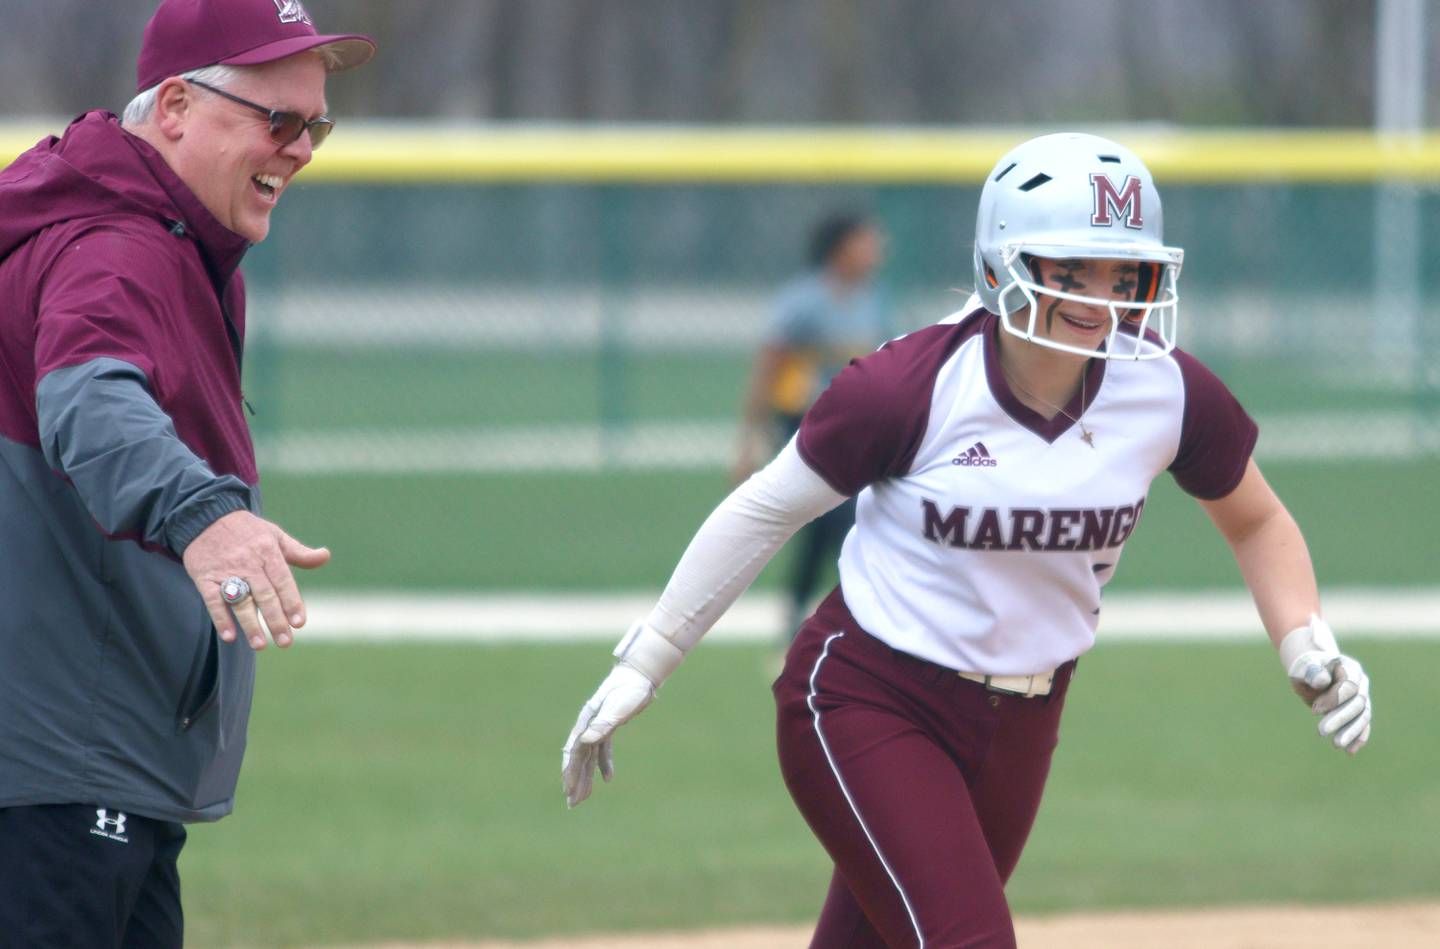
(292, 12)
(111, 827)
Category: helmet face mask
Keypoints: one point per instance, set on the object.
(1152, 315)
(1077, 197)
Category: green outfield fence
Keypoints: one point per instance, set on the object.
(561, 299)
(463, 299)
(563, 311)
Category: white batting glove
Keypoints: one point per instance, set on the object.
(646, 659)
(1332, 684)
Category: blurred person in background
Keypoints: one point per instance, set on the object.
(823, 318)
(1001, 459)
(136, 568)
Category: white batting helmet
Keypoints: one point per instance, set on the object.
(1072, 195)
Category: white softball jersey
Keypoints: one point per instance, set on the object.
(984, 533)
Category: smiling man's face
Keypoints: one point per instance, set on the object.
(225, 153)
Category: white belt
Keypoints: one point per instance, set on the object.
(1027, 686)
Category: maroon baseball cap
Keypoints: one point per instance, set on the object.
(191, 34)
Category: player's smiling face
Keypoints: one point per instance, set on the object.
(227, 156)
(1075, 323)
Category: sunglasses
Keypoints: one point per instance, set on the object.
(285, 126)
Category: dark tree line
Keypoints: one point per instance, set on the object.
(1275, 62)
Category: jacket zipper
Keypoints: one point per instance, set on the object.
(233, 334)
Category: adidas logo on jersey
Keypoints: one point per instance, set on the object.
(978, 456)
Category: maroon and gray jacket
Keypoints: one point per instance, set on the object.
(122, 437)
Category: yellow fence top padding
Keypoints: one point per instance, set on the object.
(423, 153)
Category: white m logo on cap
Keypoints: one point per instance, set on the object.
(105, 820)
(292, 12)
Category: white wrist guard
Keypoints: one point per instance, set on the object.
(649, 652)
(1316, 636)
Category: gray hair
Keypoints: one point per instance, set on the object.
(330, 56)
(140, 107)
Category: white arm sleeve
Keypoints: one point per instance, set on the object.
(735, 543)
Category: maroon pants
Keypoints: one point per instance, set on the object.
(922, 786)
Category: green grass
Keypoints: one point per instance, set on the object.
(496, 532)
(607, 531)
(413, 792)
(306, 388)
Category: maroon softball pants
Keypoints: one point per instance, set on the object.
(921, 785)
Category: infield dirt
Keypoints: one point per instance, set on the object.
(1379, 926)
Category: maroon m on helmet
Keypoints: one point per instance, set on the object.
(1123, 202)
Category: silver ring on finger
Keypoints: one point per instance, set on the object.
(234, 590)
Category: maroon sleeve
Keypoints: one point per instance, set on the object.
(869, 423)
(1216, 436)
(102, 296)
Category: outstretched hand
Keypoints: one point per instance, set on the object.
(260, 553)
(623, 695)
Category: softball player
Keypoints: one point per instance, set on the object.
(1000, 460)
(823, 319)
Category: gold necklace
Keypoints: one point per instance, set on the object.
(1085, 434)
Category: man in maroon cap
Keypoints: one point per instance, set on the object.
(133, 552)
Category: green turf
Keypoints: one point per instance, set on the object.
(307, 388)
(496, 532)
(303, 389)
(606, 531)
(412, 792)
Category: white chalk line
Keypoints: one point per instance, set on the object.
(703, 444)
(1220, 616)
